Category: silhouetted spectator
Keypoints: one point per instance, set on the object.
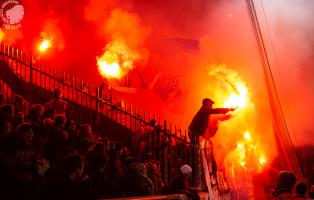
(19, 110)
(136, 182)
(96, 169)
(48, 114)
(8, 112)
(2, 94)
(25, 132)
(34, 115)
(311, 193)
(84, 139)
(300, 191)
(198, 127)
(200, 121)
(153, 172)
(180, 183)
(285, 185)
(67, 181)
(5, 125)
(58, 104)
(58, 145)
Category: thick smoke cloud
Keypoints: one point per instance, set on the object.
(222, 33)
(291, 28)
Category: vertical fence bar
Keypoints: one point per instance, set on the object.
(86, 103)
(97, 107)
(81, 103)
(24, 65)
(171, 153)
(160, 144)
(186, 148)
(40, 74)
(45, 76)
(62, 81)
(54, 78)
(31, 70)
(164, 156)
(131, 114)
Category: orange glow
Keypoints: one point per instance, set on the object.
(247, 135)
(44, 45)
(239, 98)
(248, 150)
(262, 160)
(1, 35)
(109, 70)
(117, 60)
(249, 153)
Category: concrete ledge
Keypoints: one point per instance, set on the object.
(157, 197)
(203, 196)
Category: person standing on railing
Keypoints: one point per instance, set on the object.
(197, 128)
(58, 104)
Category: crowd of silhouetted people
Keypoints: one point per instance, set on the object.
(46, 155)
(288, 188)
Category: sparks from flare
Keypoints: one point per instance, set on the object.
(248, 152)
(237, 95)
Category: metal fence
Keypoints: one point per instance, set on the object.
(151, 137)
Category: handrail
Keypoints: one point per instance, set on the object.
(32, 70)
(36, 68)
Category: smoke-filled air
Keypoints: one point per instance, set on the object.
(166, 56)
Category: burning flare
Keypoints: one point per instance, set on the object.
(247, 153)
(112, 70)
(239, 95)
(44, 45)
(238, 98)
(46, 41)
(117, 60)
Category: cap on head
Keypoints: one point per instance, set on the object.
(185, 169)
(207, 102)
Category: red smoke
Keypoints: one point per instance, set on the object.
(178, 41)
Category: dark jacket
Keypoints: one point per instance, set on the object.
(200, 121)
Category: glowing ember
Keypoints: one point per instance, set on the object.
(44, 45)
(262, 160)
(117, 60)
(247, 135)
(249, 154)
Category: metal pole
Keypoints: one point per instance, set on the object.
(164, 156)
(97, 107)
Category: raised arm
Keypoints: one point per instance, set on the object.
(221, 110)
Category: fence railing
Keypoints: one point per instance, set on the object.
(152, 138)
